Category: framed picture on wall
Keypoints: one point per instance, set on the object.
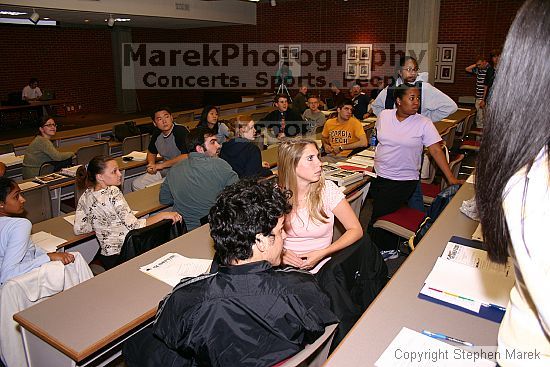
(447, 54)
(294, 52)
(364, 53)
(437, 55)
(352, 52)
(364, 70)
(446, 72)
(352, 70)
(284, 52)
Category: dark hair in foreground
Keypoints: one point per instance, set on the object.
(242, 211)
(517, 126)
(86, 177)
(345, 102)
(6, 186)
(198, 136)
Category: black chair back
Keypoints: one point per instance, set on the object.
(6, 148)
(139, 241)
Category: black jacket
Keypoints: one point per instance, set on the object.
(245, 315)
(244, 157)
(294, 124)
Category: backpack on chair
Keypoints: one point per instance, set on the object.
(440, 202)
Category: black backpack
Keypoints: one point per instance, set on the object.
(125, 130)
(440, 202)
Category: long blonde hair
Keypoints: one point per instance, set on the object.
(289, 155)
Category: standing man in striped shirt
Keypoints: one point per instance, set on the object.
(479, 69)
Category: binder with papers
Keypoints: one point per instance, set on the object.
(463, 278)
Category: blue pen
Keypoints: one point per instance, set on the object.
(446, 337)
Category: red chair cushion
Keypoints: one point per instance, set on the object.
(405, 217)
(430, 190)
(474, 143)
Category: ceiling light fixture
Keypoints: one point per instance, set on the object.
(35, 17)
(273, 3)
(111, 21)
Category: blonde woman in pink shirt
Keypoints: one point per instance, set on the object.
(315, 203)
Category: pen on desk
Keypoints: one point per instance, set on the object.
(446, 337)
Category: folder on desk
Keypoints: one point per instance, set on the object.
(464, 279)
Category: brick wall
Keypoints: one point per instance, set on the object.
(303, 21)
(75, 63)
(476, 26)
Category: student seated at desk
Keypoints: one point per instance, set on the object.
(315, 203)
(18, 254)
(402, 134)
(103, 209)
(241, 153)
(513, 185)
(246, 313)
(42, 150)
(209, 119)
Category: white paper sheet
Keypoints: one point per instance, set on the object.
(137, 156)
(28, 185)
(476, 258)
(471, 179)
(411, 348)
(10, 159)
(47, 241)
(485, 286)
(172, 267)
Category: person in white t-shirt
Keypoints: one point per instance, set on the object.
(31, 92)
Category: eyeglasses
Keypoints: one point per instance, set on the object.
(50, 125)
(411, 70)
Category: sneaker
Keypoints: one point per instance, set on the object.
(389, 254)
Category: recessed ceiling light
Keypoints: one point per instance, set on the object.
(46, 18)
(122, 19)
(86, 20)
(12, 13)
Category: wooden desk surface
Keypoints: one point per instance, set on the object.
(145, 201)
(398, 304)
(85, 318)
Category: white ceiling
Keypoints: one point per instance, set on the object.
(87, 18)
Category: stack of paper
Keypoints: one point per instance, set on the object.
(464, 278)
(172, 267)
(47, 241)
(28, 185)
(137, 156)
(10, 159)
(70, 171)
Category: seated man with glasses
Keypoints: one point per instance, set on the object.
(246, 312)
(434, 104)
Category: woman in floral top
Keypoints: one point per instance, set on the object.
(103, 209)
